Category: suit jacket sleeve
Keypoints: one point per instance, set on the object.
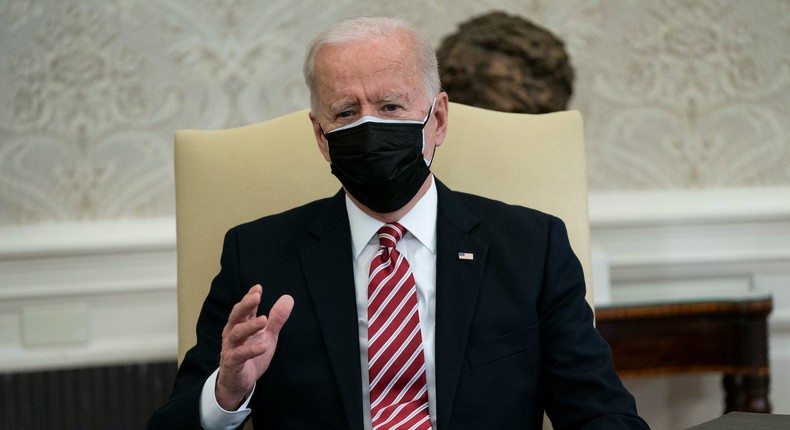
(581, 388)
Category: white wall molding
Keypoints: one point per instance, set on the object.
(678, 207)
(87, 238)
(687, 234)
(79, 294)
(79, 259)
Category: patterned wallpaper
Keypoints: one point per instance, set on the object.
(675, 94)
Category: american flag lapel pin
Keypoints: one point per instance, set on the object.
(466, 256)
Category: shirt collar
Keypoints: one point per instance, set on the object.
(420, 222)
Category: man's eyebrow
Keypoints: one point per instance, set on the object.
(398, 97)
(338, 107)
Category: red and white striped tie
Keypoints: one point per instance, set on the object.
(398, 389)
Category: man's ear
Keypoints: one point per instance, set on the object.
(440, 115)
(319, 137)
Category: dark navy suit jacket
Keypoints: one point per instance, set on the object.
(514, 334)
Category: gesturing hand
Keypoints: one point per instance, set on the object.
(248, 344)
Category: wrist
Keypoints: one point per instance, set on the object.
(212, 415)
(228, 401)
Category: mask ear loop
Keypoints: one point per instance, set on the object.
(429, 162)
(424, 123)
(428, 117)
(323, 134)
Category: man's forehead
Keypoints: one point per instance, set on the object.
(379, 52)
(348, 76)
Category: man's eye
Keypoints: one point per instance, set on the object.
(344, 114)
(390, 108)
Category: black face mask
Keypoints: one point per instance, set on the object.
(379, 162)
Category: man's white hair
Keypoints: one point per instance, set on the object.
(364, 28)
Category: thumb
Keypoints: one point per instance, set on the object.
(279, 314)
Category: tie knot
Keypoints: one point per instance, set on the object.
(390, 234)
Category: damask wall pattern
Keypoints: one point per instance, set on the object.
(675, 94)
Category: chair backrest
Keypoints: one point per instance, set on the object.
(227, 177)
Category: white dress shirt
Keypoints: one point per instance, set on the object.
(418, 246)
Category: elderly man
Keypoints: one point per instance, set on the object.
(374, 319)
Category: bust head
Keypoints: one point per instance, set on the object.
(506, 63)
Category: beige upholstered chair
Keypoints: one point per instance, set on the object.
(227, 177)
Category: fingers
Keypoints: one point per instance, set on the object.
(243, 323)
(248, 306)
(279, 314)
(246, 351)
(239, 333)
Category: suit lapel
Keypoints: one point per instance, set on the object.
(457, 286)
(330, 280)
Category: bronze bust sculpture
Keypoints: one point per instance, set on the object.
(506, 63)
